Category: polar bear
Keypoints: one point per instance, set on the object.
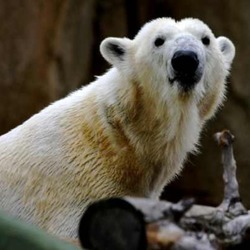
(126, 133)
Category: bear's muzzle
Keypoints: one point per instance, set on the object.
(185, 64)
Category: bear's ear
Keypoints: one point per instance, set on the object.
(114, 50)
(228, 50)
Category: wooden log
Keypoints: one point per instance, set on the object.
(112, 224)
(154, 210)
(137, 223)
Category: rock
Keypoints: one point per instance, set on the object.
(45, 49)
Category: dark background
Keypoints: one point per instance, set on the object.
(50, 47)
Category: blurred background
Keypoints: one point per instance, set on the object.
(50, 47)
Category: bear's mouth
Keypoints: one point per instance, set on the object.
(185, 81)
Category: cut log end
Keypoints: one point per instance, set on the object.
(112, 224)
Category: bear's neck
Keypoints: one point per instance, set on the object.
(157, 135)
(145, 119)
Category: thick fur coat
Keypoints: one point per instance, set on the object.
(126, 133)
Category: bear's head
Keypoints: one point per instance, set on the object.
(173, 59)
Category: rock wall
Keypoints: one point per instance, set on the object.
(45, 51)
(49, 48)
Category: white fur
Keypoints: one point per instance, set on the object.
(127, 133)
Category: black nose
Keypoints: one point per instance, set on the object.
(185, 62)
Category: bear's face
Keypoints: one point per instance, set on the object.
(181, 58)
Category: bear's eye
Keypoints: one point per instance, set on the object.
(205, 40)
(159, 41)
